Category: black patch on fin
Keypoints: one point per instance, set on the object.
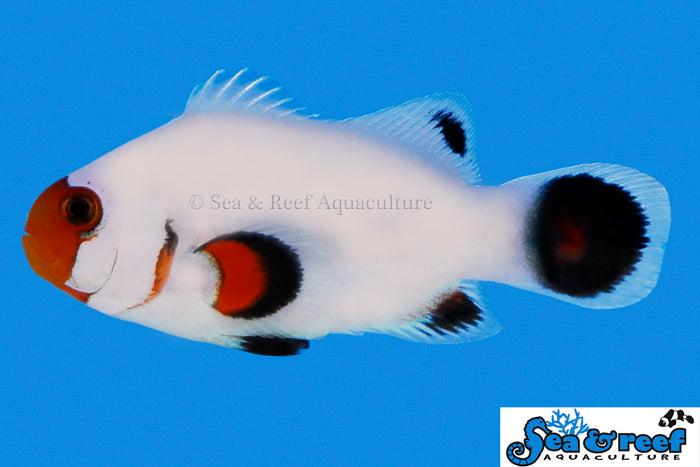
(282, 268)
(452, 131)
(273, 346)
(453, 311)
(585, 235)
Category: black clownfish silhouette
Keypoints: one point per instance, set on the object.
(674, 416)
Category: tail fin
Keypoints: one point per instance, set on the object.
(595, 234)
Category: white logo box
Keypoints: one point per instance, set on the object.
(626, 436)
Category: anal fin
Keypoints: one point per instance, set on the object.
(454, 316)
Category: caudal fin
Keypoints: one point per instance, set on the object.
(595, 234)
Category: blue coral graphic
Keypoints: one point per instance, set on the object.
(565, 424)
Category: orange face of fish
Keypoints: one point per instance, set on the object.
(61, 219)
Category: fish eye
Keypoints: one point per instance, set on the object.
(81, 208)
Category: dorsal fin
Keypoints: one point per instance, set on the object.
(242, 91)
(437, 128)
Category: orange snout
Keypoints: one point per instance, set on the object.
(61, 219)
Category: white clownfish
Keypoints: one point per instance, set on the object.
(247, 224)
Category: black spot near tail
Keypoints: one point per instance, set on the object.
(452, 312)
(273, 346)
(452, 132)
(585, 235)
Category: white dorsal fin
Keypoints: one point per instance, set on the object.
(436, 127)
(242, 91)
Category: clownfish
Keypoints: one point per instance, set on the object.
(249, 223)
(672, 417)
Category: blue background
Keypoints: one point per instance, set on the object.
(550, 87)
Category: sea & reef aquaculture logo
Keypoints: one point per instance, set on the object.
(607, 436)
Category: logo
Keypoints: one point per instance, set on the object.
(600, 436)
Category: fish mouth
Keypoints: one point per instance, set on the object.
(45, 263)
(56, 267)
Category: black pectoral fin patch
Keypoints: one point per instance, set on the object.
(273, 346)
(452, 132)
(258, 274)
(452, 313)
(585, 235)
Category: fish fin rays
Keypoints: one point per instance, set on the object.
(454, 316)
(437, 128)
(595, 234)
(270, 346)
(243, 91)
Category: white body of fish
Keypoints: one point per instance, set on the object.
(381, 228)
